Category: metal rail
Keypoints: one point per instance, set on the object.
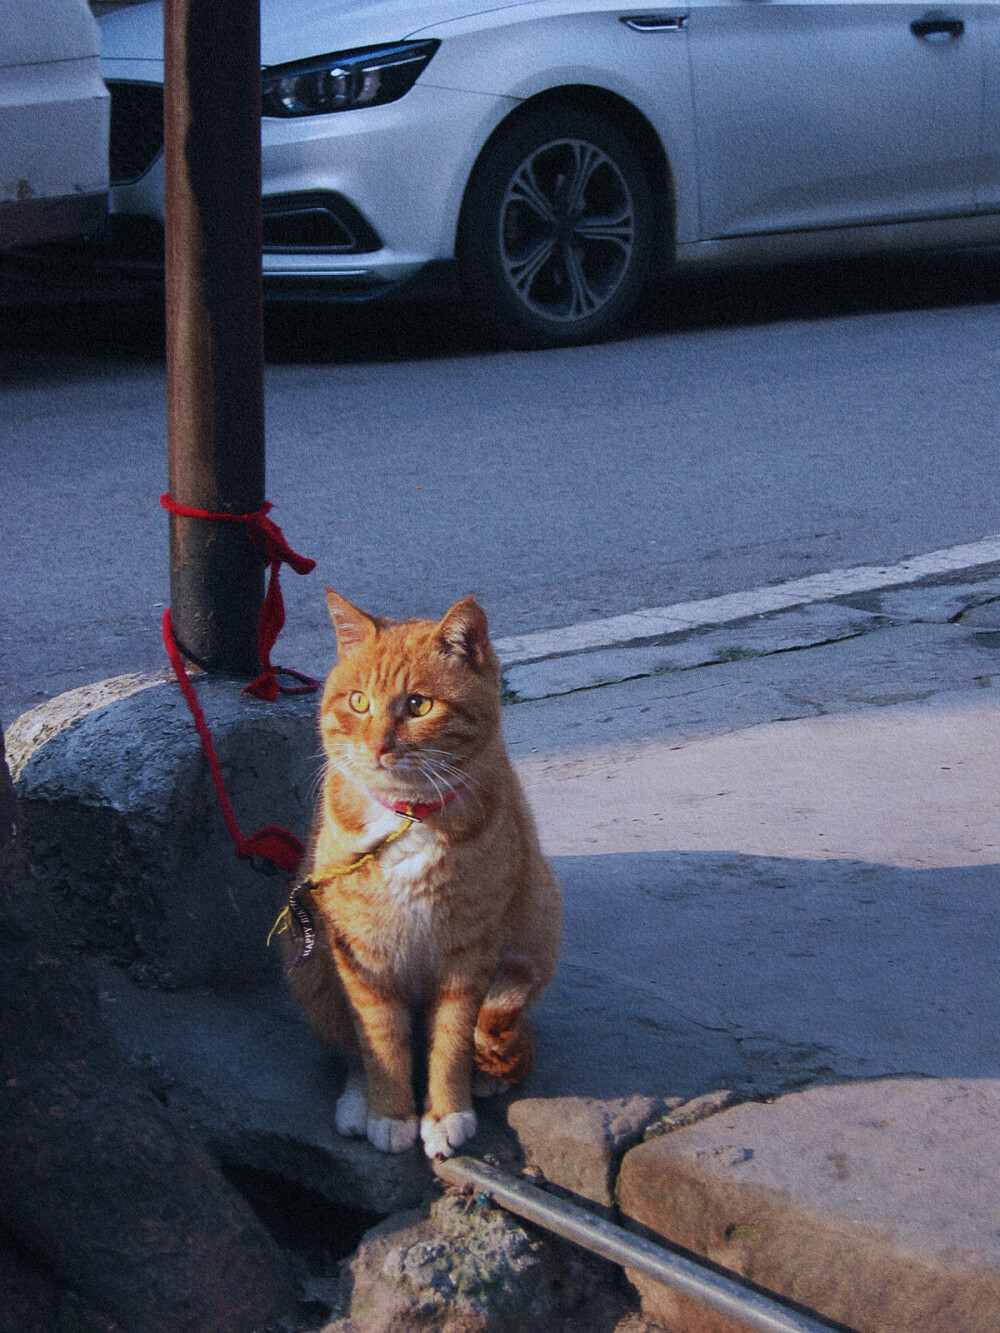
(723, 1294)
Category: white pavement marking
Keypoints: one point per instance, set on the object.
(653, 622)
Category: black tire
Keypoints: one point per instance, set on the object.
(557, 230)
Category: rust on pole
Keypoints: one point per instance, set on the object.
(215, 397)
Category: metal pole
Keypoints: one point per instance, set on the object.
(215, 397)
(723, 1294)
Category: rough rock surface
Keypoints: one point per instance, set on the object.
(484, 1273)
(249, 1079)
(35, 728)
(873, 1203)
(689, 1113)
(470, 1268)
(578, 1142)
(102, 1191)
(97, 1177)
(123, 832)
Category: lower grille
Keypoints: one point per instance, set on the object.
(315, 222)
(136, 129)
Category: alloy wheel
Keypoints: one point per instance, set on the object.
(567, 230)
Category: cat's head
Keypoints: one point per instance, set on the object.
(410, 704)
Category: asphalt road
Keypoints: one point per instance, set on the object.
(749, 429)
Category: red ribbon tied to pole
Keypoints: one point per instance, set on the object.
(268, 538)
(272, 842)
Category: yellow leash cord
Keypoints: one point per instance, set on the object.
(281, 925)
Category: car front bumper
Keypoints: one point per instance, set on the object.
(402, 167)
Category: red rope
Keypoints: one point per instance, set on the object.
(272, 842)
(265, 534)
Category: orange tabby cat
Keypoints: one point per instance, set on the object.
(451, 906)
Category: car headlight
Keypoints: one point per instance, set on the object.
(345, 81)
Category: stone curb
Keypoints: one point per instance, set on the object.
(738, 625)
(128, 850)
(651, 623)
(871, 1203)
(577, 1144)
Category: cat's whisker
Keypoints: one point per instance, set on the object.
(447, 755)
(455, 775)
(431, 765)
(316, 786)
(451, 783)
(446, 762)
(437, 790)
(430, 770)
(461, 780)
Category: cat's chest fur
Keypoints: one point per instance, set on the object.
(412, 863)
(407, 859)
(405, 922)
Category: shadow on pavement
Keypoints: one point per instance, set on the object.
(682, 972)
(400, 330)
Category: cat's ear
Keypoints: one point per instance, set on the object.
(353, 626)
(464, 633)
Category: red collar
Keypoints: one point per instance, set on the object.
(414, 809)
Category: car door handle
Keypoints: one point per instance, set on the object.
(656, 22)
(937, 29)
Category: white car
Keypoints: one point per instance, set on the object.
(563, 152)
(54, 112)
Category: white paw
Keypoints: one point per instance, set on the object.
(350, 1115)
(392, 1135)
(442, 1137)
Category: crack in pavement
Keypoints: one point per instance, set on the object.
(793, 628)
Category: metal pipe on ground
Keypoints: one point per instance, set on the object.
(574, 1224)
(215, 395)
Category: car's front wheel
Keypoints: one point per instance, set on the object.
(557, 229)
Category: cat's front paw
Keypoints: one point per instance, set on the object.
(442, 1137)
(350, 1114)
(392, 1135)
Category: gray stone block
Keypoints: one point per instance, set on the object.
(873, 1203)
(578, 1142)
(129, 854)
(249, 1080)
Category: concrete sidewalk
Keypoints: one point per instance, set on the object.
(794, 879)
(795, 885)
(780, 872)
(794, 900)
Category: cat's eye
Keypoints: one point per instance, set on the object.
(417, 705)
(360, 702)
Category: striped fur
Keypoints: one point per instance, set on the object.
(460, 915)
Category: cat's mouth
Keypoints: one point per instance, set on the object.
(393, 786)
(413, 778)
